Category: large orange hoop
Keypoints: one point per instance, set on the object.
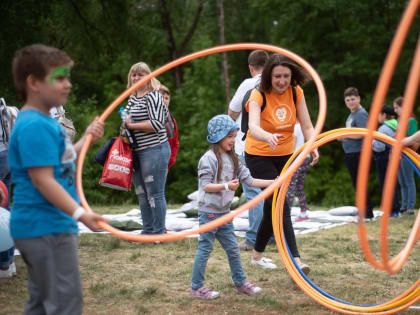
(263, 195)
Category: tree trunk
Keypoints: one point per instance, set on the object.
(221, 21)
(177, 51)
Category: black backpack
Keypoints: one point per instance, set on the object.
(245, 114)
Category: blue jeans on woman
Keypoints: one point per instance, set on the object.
(225, 234)
(150, 168)
(6, 257)
(255, 214)
(408, 185)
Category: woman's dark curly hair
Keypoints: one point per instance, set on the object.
(299, 75)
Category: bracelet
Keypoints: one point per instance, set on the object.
(78, 213)
(227, 187)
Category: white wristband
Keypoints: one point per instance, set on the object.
(227, 187)
(78, 213)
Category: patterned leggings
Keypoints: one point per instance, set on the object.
(296, 186)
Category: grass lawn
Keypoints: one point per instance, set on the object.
(120, 277)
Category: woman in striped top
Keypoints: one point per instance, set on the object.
(146, 123)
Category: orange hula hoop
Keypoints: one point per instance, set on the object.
(404, 300)
(394, 265)
(263, 195)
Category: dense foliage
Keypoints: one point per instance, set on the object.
(345, 41)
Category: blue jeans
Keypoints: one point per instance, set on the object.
(225, 234)
(6, 257)
(408, 185)
(150, 168)
(255, 214)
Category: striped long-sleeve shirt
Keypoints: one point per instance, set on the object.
(148, 107)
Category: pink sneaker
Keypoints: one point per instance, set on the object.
(204, 293)
(249, 288)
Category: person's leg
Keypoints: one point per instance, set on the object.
(263, 167)
(300, 185)
(226, 236)
(147, 216)
(407, 173)
(205, 247)
(291, 190)
(68, 284)
(381, 161)
(154, 165)
(280, 162)
(38, 255)
(403, 189)
(255, 214)
(352, 163)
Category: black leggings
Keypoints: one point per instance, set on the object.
(352, 163)
(269, 167)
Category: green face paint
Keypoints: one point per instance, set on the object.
(61, 71)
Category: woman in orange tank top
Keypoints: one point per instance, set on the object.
(270, 141)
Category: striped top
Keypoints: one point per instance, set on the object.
(148, 107)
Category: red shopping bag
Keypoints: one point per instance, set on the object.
(118, 168)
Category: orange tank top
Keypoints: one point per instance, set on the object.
(278, 116)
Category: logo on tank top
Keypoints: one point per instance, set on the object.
(282, 114)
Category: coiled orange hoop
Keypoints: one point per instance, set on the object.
(394, 265)
(407, 298)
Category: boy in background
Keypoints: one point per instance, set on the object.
(353, 145)
(46, 207)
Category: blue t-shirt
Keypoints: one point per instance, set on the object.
(39, 140)
(358, 119)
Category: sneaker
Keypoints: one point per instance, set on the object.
(304, 267)
(249, 288)
(410, 211)
(204, 293)
(12, 268)
(263, 263)
(245, 245)
(395, 214)
(369, 220)
(302, 217)
(6, 274)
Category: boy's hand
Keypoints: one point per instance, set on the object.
(233, 184)
(89, 219)
(96, 129)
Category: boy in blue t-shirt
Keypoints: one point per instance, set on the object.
(46, 206)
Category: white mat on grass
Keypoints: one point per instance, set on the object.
(176, 221)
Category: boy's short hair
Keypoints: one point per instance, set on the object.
(351, 91)
(164, 90)
(36, 60)
(258, 58)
